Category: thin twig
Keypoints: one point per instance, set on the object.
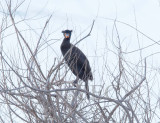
(86, 35)
(130, 92)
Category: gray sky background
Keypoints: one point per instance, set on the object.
(78, 16)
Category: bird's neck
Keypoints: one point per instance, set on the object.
(66, 43)
(65, 46)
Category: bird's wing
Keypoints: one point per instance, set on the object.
(81, 59)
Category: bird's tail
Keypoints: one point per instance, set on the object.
(87, 89)
(90, 76)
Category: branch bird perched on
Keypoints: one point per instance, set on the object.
(76, 60)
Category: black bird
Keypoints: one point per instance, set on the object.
(76, 60)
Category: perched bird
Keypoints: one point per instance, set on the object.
(76, 60)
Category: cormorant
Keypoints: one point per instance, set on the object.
(76, 60)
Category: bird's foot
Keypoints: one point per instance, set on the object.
(75, 83)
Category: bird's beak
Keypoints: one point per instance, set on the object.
(66, 35)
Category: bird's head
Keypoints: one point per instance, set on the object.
(67, 33)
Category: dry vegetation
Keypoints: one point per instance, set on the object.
(30, 94)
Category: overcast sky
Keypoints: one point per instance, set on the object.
(143, 15)
(78, 16)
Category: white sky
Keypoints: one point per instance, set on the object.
(78, 16)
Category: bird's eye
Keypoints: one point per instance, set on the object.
(66, 35)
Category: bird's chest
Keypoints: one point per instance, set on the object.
(64, 49)
(70, 55)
